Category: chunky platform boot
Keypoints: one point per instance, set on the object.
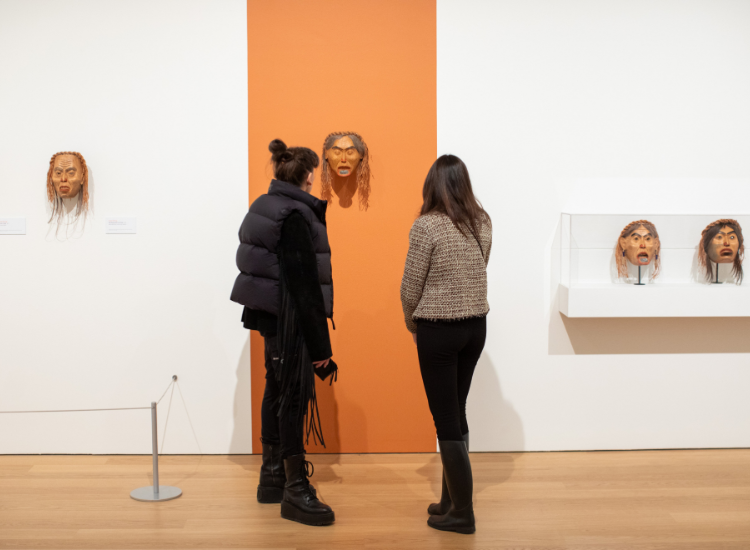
(457, 470)
(442, 507)
(300, 502)
(272, 476)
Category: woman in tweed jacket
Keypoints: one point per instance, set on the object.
(444, 297)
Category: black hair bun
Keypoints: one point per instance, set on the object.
(277, 148)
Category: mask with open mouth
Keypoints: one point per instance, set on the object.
(638, 244)
(722, 243)
(346, 170)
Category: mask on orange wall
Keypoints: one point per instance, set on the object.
(346, 170)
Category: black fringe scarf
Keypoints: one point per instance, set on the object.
(295, 373)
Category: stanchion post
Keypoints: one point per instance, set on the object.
(156, 492)
(155, 449)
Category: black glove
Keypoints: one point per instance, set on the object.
(325, 372)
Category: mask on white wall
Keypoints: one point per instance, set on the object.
(67, 179)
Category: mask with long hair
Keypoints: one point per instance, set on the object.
(638, 247)
(722, 243)
(67, 178)
(344, 161)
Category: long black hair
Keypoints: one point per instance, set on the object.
(708, 234)
(292, 164)
(447, 189)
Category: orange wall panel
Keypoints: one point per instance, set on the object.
(318, 66)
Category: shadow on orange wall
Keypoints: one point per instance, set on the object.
(319, 66)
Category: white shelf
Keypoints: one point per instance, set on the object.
(654, 300)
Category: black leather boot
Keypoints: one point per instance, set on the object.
(272, 476)
(300, 502)
(457, 470)
(442, 507)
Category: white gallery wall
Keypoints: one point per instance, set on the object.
(607, 107)
(634, 107)
(154, 95)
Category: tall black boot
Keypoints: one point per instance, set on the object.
(457, 470)
(300, 502)
(272, 476)
(442, 507)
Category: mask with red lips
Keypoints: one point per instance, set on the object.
(722, 249)
(638, 244)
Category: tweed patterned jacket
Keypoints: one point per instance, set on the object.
(445, 277)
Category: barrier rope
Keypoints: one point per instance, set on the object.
(174, 378)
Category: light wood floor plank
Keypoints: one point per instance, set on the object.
(647, 500)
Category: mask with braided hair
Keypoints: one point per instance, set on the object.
(638, 244)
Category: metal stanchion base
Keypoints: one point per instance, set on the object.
(146, 494)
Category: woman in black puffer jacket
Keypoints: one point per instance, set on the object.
(286, 287)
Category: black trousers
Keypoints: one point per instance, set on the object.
(448, 352)
(288, 431)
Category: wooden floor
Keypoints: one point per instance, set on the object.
(618, 500)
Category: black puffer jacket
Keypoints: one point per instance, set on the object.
(257, 286)
(298, 256)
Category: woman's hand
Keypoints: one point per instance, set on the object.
(321, 364)
(414, 336)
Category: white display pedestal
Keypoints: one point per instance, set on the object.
(654, 300)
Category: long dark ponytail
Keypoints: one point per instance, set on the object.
(292, 164)
(447, 189)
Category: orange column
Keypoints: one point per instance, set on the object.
(319, 66)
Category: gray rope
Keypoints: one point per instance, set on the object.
(92, 410)
(165, 391)
(76, 410)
